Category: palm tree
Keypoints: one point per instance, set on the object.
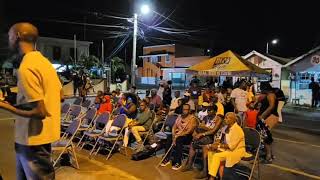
(118, 69)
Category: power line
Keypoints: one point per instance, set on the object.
(166, 17)
(97, 14)
(87, 24)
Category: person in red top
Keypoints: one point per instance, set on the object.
(251, 115)
(105, 105)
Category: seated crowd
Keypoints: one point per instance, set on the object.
(208, 122)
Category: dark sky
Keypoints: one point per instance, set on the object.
(241, 26)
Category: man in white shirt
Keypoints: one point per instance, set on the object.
(239, 98)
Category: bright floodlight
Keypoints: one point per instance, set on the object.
(275, 41)
(145, 9)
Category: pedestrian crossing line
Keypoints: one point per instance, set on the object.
(294, 171)
(297, 142)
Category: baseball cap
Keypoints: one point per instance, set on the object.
(205, 104)
(187, 94)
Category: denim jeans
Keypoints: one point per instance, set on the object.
(34, 162)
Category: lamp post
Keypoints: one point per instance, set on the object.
(273, 42)
(144, 10)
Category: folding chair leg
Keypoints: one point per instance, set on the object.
(96, 152)
(145, 138)
(74, 155)
(78, 145)
(92, 150)
(258, 168)
(166, 154)
(57, 159)
(113, 146)
(254, 165)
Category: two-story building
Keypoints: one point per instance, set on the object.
(169, 61)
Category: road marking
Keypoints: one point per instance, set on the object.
(297, 142)
(294, 171)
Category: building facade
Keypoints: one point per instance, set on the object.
(169, 61)
(301, 70)
(62, 50)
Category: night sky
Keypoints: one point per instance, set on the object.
(241, 26)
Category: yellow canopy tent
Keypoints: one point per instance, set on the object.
(228, 64)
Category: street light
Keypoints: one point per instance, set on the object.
(144, 10)
(273, 42)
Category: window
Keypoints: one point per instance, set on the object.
(159, 58)
(154, 59)
(304, 78)
(167, 59)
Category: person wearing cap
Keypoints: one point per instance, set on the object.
(37, 110)
(188, 100)
(204, 111)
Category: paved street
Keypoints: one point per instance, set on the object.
(297, 157)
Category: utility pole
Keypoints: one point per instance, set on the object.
(134, 50)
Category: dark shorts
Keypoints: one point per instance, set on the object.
(34, 162)
(197, 144)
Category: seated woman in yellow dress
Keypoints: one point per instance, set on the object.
(230, 152)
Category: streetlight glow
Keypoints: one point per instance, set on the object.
(145, 9)
(275, 41)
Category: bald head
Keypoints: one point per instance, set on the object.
(22, 32)
(25, 32)
(230, 118)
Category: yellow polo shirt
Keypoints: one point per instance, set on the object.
(38, 80)
(220, 109)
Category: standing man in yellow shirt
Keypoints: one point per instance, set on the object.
(37, 111)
